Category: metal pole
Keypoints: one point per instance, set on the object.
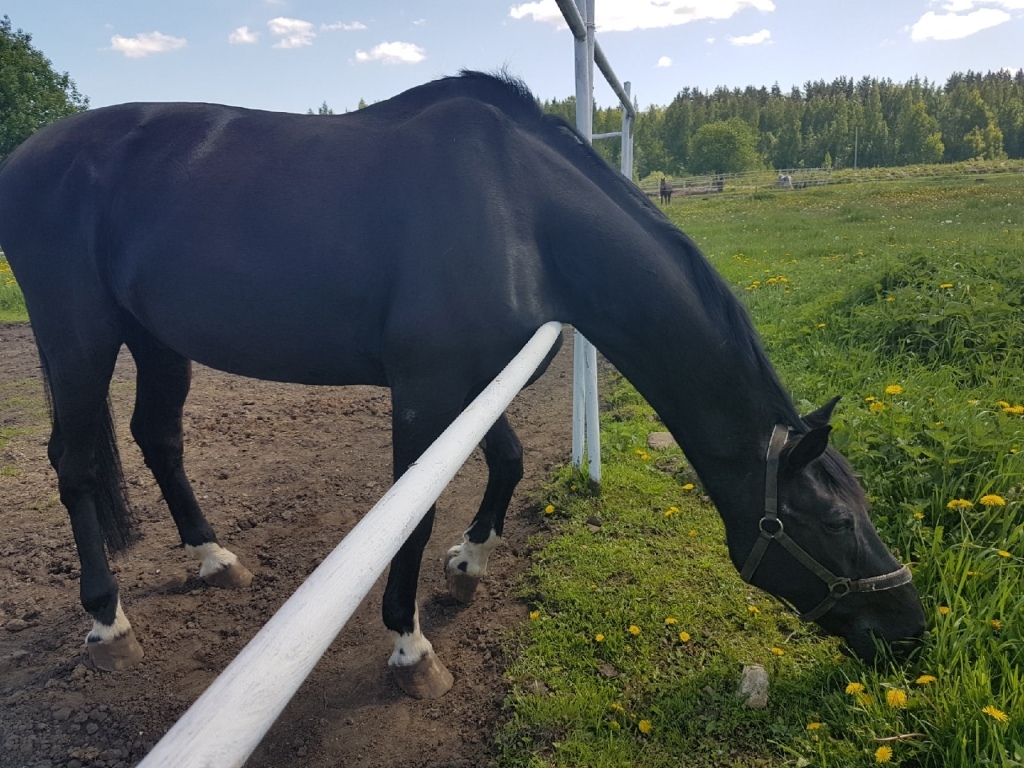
(626, 151)
(579, 360)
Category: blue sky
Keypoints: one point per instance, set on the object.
(291, 55)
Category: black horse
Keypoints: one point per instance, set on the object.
(416, 244)
(665, 191)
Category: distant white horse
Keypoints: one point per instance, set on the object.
(785, 181)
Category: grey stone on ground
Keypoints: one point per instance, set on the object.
(754, 686)
(659, 441)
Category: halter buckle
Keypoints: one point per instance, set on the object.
(841, 587)
(776, 521)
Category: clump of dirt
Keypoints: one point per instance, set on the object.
(283, 472)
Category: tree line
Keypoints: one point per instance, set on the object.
(840, 124)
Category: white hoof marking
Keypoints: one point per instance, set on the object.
(471, 559)
(104, 633)
(411, 647)
(212, 556)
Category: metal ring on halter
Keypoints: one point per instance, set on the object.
(775, 520)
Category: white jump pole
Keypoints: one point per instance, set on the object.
(226, 723)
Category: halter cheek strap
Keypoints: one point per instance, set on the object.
(772, 529)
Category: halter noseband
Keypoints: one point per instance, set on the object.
(773, 530)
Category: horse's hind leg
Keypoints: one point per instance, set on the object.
(83, 451)
(163, 380)
(466, 563)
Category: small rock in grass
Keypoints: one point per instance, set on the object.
(659, 441)
(754, 686)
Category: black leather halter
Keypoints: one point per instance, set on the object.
(773, 530)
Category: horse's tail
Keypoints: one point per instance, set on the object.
(115, 515)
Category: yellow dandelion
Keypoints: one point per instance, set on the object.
(598, 638)
(549, 509)
(753, 609)
(1014, 410)
(1003, 404)
(1004, 553)
(693, 534)
(643, 455)
(974, 573)
(688, 487)
(890, 298)
(644, 726)
(634, 629)
(671, 620)
(684, 637)
(944, 609)
(996, 714)
(896, 698)
(877, 407)
(616, 707)
(959, 504)
(821, 325)
(813, 726)
(869, 399)
(919, 515)
(992, 500)
(995, 624)
(883, 754)
(778, 651)
(615, 725)
(946, 285)
(670, 512)
(852, 688)
(534, 615)
(894, 389)
(925, 680)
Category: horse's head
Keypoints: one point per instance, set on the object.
(816, 548)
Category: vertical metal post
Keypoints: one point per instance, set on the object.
(586, 425)
(626, 153)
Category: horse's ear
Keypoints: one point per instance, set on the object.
(820, 417)
(807, 448)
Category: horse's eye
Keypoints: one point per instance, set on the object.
(838, 526)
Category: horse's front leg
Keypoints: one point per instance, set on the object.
(466, 562)
(416, 668)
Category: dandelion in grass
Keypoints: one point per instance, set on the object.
(995, 624)
(946, 285)
(926, 680)
(896, 698)
(992, 500)
(549, 509)
(671, 620)
(959, 504)
(534, 615)
(883, 754)
(944, 610)
(996, 714)
(1004, 553)
(877, 407)
(614, 724)
(1003, 404)
(643, 455)
(688, 487)
(693, 534)
(753, 609)
(684, 637)
(778, 651)
(616, 707)
(894, 389)
(919, 515)
(598, 638)
(854, 688)
(813, 726)
(869, 399)
(634, 629)
(645, 726)
(821, 325)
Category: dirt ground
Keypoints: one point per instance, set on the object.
(284, 471)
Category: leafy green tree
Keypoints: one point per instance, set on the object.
(32, 94)
(323, 110)
(969, 127)
(916, 137)
(725, 146)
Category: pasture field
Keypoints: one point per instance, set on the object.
(906, 298)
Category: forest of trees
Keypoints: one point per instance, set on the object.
(839, 124)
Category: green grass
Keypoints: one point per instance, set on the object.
(906, 298)
(12, 303)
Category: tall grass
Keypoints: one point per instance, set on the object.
(907, 299)
(12, 303)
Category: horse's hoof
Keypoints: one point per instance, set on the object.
(234, 576)
(117, 654)
(428, 678)
(461, 585)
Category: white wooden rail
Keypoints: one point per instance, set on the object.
(226, 723)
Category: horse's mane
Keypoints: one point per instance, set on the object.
(515, 100)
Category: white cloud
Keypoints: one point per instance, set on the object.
(146, 43)
(294, 33)
(393, 53)
(664, 61)
(953, 26)
(626, 15)
(758, 38)
(419, 22)
(354, 26)
(710, 41)
(243, 35)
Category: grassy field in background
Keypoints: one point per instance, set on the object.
(906, 299)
